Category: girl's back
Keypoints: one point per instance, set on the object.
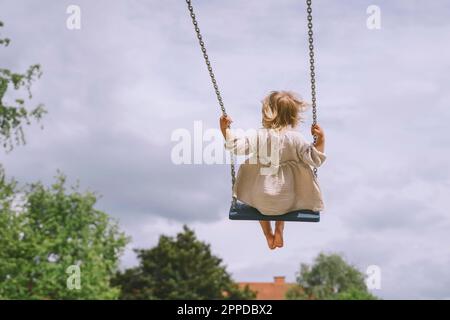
(277, 176)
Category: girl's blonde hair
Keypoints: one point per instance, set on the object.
(281, 109)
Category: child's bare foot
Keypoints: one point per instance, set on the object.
(278, 239)
(270, 241)
(267, 230)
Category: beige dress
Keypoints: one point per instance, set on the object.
(277, 175)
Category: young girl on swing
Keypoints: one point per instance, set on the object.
(277, 176)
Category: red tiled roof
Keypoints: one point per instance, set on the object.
(269, 290)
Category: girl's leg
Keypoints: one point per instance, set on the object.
(278, 237)
(267, 229)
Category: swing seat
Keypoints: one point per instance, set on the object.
(242, 211)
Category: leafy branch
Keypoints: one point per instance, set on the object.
(13, 113)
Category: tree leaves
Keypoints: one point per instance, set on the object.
(14, 114)
(180, 267)
(4, 41)
(329, 278)
(52, 230)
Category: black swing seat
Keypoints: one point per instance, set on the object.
(242, 211)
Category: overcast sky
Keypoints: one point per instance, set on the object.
(116, 90)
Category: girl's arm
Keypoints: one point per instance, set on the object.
(239, 144)
(225, 122)
(312, 154)
(320, 141)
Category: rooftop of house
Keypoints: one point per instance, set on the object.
(275, 290)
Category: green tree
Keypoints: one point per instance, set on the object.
(43, 231)
(13, 112)
(180, 267)
(330, 278)
(356, 294)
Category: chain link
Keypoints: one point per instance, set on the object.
(206, 57)
(216, 89)
(312, 69)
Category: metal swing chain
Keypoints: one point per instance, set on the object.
(312, 69)
(216, 88)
